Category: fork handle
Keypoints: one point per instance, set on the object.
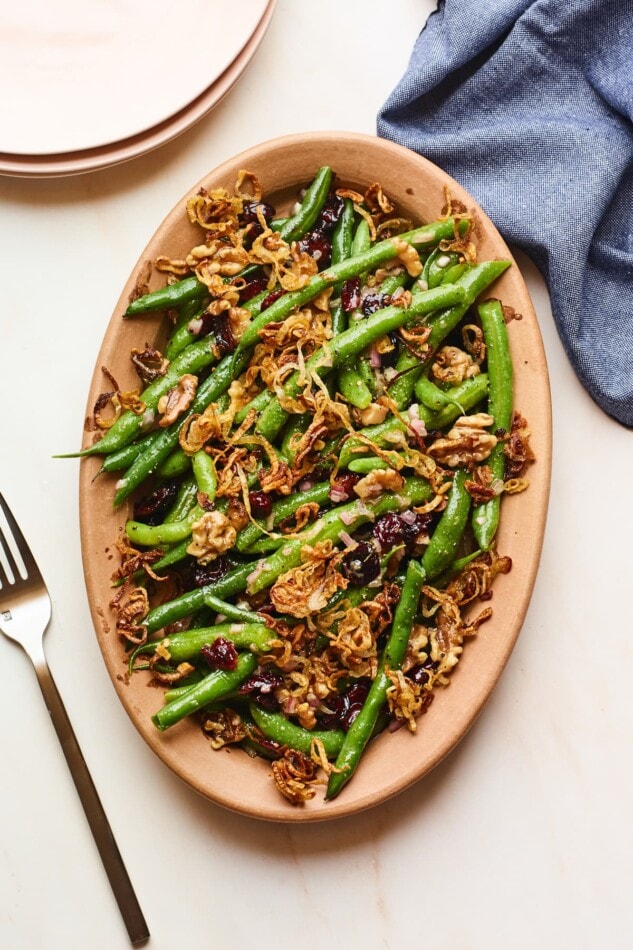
(97, 819)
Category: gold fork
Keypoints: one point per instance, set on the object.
(25, 612)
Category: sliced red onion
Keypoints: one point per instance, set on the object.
(347, 539)
(337, 496)
(348, 517)
(374, 357)
(408, 516)
(306, 484)
(194, 326)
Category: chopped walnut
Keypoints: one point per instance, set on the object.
(408, 256)
(174, 403)
(377, 482)
(373, 414)
(467, 442)
(207, 260)
(211, 536)
(453, 365)
(239, 319)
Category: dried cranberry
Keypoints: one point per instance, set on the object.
(419, 675)
(151, 509)
(260, 503)
(252, 288)
(261, 686)
(346, 706)
(361, 565)
(413, 530)
(350, 294)
(201, 575)
(250, 211)
(221, 654)
(343, 487)
(317, 246)
(224, 339)
(330, 213)
(270, 299)
(389, 531)
(373, 302)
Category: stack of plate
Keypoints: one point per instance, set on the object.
(92, 84)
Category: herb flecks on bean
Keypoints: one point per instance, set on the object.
(317, 468)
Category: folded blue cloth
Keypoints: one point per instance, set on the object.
(529, 105)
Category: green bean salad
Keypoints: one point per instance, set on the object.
(314, 463)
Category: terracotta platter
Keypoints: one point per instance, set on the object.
(393, 761)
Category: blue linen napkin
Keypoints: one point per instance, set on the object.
(529, 105)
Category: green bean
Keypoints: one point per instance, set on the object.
(310, 207)
(181, 336)
(465, 397)
(173, 295)
(351, 384)
(436, 266)
(378, 254)
(184, 502)
(432, 396)
(500, 407)
(343, 233)
(450, 528)
(232, 583)
(365, 465)
(177, 463)
(205, 474)
(341, 250)
(275, 726)
(123, 458)
(211, 688)
(361, 730)
(454, 272)
(151, 536)
(187, 644)
(230, 610)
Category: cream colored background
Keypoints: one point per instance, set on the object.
(522, 838)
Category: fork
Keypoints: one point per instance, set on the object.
(25, 612)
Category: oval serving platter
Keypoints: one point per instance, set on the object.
(394, 760)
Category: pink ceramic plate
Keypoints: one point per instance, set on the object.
(75, 163)
(83, 75)
(393, 761)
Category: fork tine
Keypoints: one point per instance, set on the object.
(20, 542)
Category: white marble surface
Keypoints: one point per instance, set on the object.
(522, 838)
